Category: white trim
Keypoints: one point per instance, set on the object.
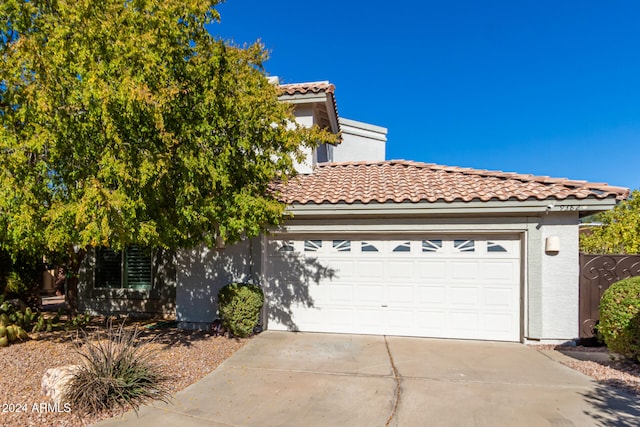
(473, 207)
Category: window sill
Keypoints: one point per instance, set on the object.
(123, 293)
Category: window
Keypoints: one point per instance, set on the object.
(286, 247)
(494, 247)
(128, 269)
(464, 245)
(367, 247)
(403, 247)
(431, 245)
(312, 245)
(342, 245)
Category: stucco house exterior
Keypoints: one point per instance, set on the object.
(390, 247)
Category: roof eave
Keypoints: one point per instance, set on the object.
(326, 98)
(537, 207)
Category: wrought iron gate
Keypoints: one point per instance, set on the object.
(597, 273)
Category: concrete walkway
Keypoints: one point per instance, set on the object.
(296, 379)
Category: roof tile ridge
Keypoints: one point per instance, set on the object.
(305, 87)
(317, 83)
(499, 174)
(416, 164)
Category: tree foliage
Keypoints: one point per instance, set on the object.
(620, 230)
(126, 121)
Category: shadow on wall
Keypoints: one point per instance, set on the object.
(154, 302)
(285, 281)
(612, 407)
(202, 272)
(288, 280)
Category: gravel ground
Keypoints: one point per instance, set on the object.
(184, 356)
(616, 372)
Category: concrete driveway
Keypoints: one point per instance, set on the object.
(298, 379)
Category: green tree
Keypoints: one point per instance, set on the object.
(620, 230)
(126, 122)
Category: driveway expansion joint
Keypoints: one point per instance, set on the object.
(309, 371)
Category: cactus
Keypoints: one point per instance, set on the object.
(4, 341)
(4, 319)
(22, 334)
(3, 331)
(12, 333)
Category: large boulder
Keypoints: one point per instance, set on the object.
(55, 381)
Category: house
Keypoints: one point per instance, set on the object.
(389, 247)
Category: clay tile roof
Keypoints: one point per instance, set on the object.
(405, 181)
(310, 87)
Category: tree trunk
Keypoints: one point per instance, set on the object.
(75, 261)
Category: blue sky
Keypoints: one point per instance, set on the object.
(542, 87)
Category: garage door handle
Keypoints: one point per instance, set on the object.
(384, 305)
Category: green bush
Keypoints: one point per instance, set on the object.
(620, 317)
(239, 306)
(117, 370)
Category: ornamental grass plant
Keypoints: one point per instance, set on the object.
(116, 371)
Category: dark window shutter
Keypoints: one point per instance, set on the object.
(137, 266)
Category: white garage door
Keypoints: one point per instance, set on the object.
(447, 287)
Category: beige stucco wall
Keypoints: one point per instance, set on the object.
(360, 141)
(201, 273)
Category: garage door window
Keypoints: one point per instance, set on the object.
(286, 247)
(494, 247)
(367, 247)
(403, 247)
(432, 246)
(312, 245)
(342, 245)
(464, 245)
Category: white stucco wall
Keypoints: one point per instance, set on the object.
(360, 142)
(304, 117)
(201, 273)
(560, 275)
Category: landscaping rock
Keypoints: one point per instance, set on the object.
(55, 381)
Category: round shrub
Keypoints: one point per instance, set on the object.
(620, 317)
(239, 306)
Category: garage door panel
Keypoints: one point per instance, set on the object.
(461, 321)
(401, 293)
(341, 294)
(463, 296)
(342, 269)
(463, 270)
(456, 287)
(371, 269)
(432, 322)
(496, 270)
(431, 270)
(431, 295)
(340, 316)
(398, 270)
(496, 322)
(498, 298)
(400, 321)
(370, 294)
